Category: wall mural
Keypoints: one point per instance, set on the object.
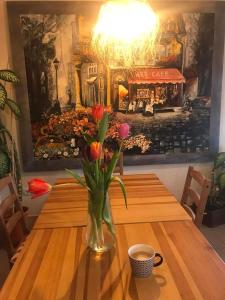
(166, 100)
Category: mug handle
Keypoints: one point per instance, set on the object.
(158, 263)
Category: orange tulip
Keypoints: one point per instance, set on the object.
(97, 112)
(95, 150)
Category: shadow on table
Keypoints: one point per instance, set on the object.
(93, 275)
(145, 288)
(96, 277)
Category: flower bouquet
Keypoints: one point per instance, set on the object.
(97, 179)
(98, 175)
(98, 163)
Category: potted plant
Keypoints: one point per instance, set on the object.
(9, 162)
(215, 208)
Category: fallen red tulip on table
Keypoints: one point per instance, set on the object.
(38, 187)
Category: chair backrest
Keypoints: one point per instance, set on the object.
(12, 221)
(119, 166)
(191, 196)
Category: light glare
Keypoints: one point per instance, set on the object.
(124, 29)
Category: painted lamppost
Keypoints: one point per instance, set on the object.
(57, 107)
(56, 65)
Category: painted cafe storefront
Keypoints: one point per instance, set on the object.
(143, 88)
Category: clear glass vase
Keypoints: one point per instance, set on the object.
(100, 234)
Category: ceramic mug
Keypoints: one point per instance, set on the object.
(143, 259)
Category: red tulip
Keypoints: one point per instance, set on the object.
(97, 112)
(95, 150)
(124, 130)
(38, 187)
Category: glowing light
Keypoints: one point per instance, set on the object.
(125, 29)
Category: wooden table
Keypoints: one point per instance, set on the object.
(55, 263)
(148, 201)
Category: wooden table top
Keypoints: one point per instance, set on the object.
(148, 201)
(55, 264)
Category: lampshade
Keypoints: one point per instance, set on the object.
(125, 30)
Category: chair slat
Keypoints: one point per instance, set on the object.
(197, 176)
(199, 199)
(7, 203)
(189, 211)
(13, 221)
(194, 196)
(4, 182)
(119, 166)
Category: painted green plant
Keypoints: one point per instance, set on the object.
(9, 162)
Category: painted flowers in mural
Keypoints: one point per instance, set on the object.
(61, 136)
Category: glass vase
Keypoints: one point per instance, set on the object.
(100, 234)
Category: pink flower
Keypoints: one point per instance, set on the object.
(38, 187)
(124, 130)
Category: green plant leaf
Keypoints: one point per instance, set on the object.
(8, 75)
(87, 174)
(219, 160)
(5, 163)
(96, 171)
(222, 181)
(110, 168)
(78, 178)
(108, 220)
(3, 96)
(14, 107)
(217, 173)
(89, 139)
(119, 180)
(103, 126)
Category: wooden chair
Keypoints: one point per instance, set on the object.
(191, 198)
(12, 222)
(119, 167)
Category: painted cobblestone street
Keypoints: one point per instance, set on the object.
(173, 132)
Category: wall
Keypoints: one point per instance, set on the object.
(172, 176)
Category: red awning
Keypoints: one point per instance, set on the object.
(153, 76)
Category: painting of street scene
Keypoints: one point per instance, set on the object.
(165, 98)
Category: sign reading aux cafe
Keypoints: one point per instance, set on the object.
(159, 86)
(151, 76)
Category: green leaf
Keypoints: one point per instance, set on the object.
(78, 178)
(108, 219)
(103, 126)
(96, 171)
(89, 139)
(5, 163)
(14, 107)
(119, 180)
(87, 174)
(110, 168)
(219, 160)
(8, 75)
(3, 96)
(222, 181)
